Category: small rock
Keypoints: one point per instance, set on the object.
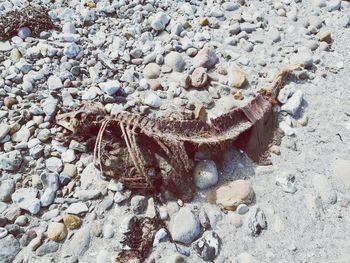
(159, 21)
(26, 199)
(10, 101)
(208, 246)
(21, 220)
(7, 187)
(205, 174)
(205, 58)
(236, 78)
(3, 232)
(110, 87)
(56, 231)
(77, 208)
(151, 71)
(54, 83)
(257, 222)
(103, 257)
(138, 204)
(235, 193)
(9, 249)
(324, 36)
(293, 103)
(244, 258)
(108, 231)
(286, 181)
(10, 161)
(71, 221)
(153, 100)
(54, 164)
(242, 209)
(71, 50)
(203, 21)
(160, 236)
(175, 61)
(48, 197)
(199, 77)
(4, 130)
(185, 227)
(47, 248)
(22, 135)
(235, 219)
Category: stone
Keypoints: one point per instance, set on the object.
(199, 77)
(115, 186)
(26, 199)
(96, 228)
(85, 195)
(242, 209)
(9, 249)
(274, 35)
(3, 232)
(4, 130)
(47, 248)
(54, 164)
(236, 78)
(208, 246)
(303, 58)
(10, 161)
(48, 197)
(68, 157)
(103, 257)
(108, 231)
(22, 135)
(205, 174)
(293, 103)
(151, 71)
(205, 58)
(235, 219)
(138, 204)
(153, 100)
(7, 187)
(257, 222)
(80, 242)
(71, 221)
(110, 87)
(175, 61)
(324, 36)
(54, 83)
(49, 180)
(286, 181)
(234, 193)
(230, 6)
(185, 227)
(43, 135)
(244, 258)
(248, 27)
(11, 213)
(160, 236)
(56, 231)
(10, 101)
(77, 208)
(341, 171)
(159, 21)
(333, 5)
(71, 50)
(21, 220)
(319, 3)
(203, 21)
(121, 197)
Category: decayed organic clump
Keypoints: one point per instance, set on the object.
(36, 18)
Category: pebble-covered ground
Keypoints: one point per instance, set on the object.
(155, 58)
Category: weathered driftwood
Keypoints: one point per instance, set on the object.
(128, 146)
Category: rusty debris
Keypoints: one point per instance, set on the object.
(128, 146)
(34, 17)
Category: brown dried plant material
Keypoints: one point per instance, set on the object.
(34, 17)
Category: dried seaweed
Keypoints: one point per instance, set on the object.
(36, 18)
(140, 239)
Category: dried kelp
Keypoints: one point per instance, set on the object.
(36, 18)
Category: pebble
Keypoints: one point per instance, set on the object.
(257, 221)
(153, 100)
(236, 78)
(208, 246)
(244, 258)
(235, 193)
(138, 204)
(293, 103)
(21, 220)
(9, 249)
(235, 219)
(109, 87)
(77, 208)
(159, 21)
(4, 130)
(205, 58)
(47, 248)
(199, 77)
(26, 199)
(56, 231)
(160, 236)
(48, 197)
(242, 209)
(151, 71)
(54, 164)
(7, 187)
(175, 61)
(22, 135)
(3, 232)
(286, 181)
(71, 50)
(103, 257)
(54, 83)
(185, 227)
(205, 174)
(108, 231)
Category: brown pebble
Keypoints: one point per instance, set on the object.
(10, 101)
